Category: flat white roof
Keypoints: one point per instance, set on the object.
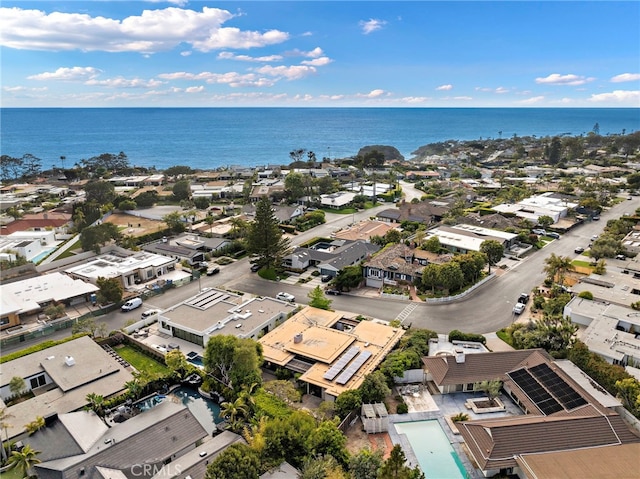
(29, 293)
(479, 230)
(112, 265)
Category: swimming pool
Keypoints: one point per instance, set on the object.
(42, 255)
(205, 410)
(196, 360)
(430, 444)
(149, 402)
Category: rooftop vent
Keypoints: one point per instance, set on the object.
(297, 338)
(69, 361)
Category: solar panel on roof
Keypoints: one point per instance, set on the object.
(532, 388)
(563, 392)
(341, 363)
(353, 367)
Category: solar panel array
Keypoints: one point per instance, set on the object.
(532, 388)
(563, 392)
(341, 363)
(353, 367)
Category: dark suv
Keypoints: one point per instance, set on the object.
(523, 298)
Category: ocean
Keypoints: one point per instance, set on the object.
(209, 138)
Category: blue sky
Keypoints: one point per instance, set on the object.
(320, 54)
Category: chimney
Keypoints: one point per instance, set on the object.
(459, 355)
(69, 361)
(297, 338)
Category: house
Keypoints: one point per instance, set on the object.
(320, 344)
(29, 244)
(425, 212)
(284, 214)
(612, 331)
(532, 208)
(47, 220)
(398, 263)
(33, 295)
(213, 312)
(563, 408)
(129, 267)
(618, 286)
(142, 446)
(337, 200)
(61, 377)
(329, 258)
(463, 238)
(365, 230)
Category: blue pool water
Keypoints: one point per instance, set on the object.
(39, 257)
(149, 403)
(196, 361)
(205, 410)
(430, 444)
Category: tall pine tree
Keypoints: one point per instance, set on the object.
(265, 238)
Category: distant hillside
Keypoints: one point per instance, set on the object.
(389, 152)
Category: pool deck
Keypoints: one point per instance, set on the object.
(426, 407)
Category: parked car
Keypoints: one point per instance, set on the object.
(326, 278)
(553, 234)
(594, 237)
(132, 304)
(518, 308)
(579, 250)
(621, 256)
(539, 232)
(335, 292)
(255, 267)
(595, 218)
(285, 297)
(212, 271)
(149, 312)
(523, 298)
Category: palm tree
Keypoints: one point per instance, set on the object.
(96, 403)
(233, 410)
(35, 425)
(134, 387)
(4, 424)
(557, 267)
(24, 460)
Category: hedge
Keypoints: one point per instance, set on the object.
(456, 335)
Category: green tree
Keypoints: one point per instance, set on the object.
(545, 221)
(236, 412)
(32, 165)
(283, 390)
(431, 276)
(176, 361)
(327, 439)
(365, 464)
(94, 237)
(471, 265)
(96, 403)
(294, 186)
(606, 246)
(395, 467)
(100, 192)
(265, 238)
(490, 388)
(348, 277)
(134, 387)
(432, 244)
(494, 251)
(178, 170)
(23, 460)
(321, 467)
(174, 222)
(111, 290)
(450, 276)
(554, 151)
(237, 461)
(557, 267)
(146, 199)
(392, 236)
(233, 363)
(181, 190)
(629, 393)
(127, 205)
(16, 385)
(374, 388)
(286, 438)
(348, 401)
(318, 299)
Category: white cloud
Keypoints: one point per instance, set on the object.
(317, 62)
(67, 74)
(500, 90)
(632, 97)
(371, 25)
(195, 89)
(120, 82)
(293, 72)
(414, 99)
(558, 79)
(180, 3)
(533, 100)
(185, 53)
(232, 79)
(377, 93)
(247, 58)
(444, 87)
(463, 98)
(151, 31)
(624, 77)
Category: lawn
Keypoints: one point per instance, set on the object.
(143, 363)
(12, 474)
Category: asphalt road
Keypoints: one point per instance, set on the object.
(487, 310)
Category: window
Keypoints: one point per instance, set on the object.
(38, 381)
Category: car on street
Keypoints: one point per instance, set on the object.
(579, 250)
(282, 296)
(518, 308)
(595, 218)
(553, 234)
(131, 304)
(335, 292)
(523, 298)
(212, 271)
(621, 256)
(255, 267)
(594, 237)
(149, 312)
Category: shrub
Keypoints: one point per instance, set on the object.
(460, 417)
(586, 295)
(456, 335)
(402, 408)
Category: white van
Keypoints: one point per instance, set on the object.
(132, 304)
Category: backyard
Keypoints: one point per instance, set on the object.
(145, 364)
